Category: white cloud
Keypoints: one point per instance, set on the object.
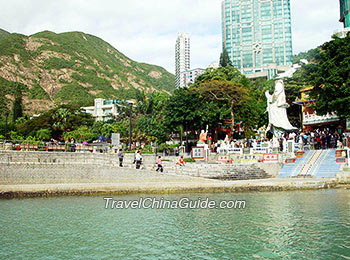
(313, 22)
(146, 30)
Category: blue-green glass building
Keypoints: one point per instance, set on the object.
(257, 35)
(344, 13)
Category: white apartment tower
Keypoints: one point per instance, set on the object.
(182, 56)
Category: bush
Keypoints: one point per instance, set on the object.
(162, 147)
(147, 149)
(189, 160)
(15, 136)
(81, 134)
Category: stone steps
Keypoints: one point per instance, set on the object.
(235, 172)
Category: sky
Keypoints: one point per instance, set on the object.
(146, 30)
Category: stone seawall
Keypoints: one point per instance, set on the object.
(54, 167)
(24, 167)
(68, 158)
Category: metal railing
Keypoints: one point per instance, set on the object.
(30, 145)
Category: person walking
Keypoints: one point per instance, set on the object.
(121, 157)
(138, 159)
(159, 163)
(301, 142)
(176, 150)
(72, 145)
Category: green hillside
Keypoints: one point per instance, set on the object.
(3, 33)
(74, 67)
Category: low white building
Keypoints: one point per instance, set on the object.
(189, 76)
(104, 109)
(342, 32)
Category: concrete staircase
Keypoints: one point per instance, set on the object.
(248, 172)
(293, 169)
(219, 171)
(327, 166)
(312, 161)
(316, 163)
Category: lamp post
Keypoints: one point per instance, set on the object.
(130, 115)
(6, 115)
(186, 137)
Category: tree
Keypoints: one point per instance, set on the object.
(151, 103)
(251, 105)
(330, 76)
(293, 86)
(231, 92)
(43, 134)
(224, 59)
(187, 109)
(81, 134)
(309, 55)
(107, 128)
(152, 127)
(58, 120)
(17, 108)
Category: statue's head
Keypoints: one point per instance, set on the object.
(202, 131)
(279, 86)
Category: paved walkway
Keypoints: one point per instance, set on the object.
(162, 183)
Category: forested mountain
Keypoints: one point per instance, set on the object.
(72, 67)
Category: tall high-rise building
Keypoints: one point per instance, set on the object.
(345, 13)
(257, 35)
(182, 56)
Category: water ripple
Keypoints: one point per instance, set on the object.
(279, 225)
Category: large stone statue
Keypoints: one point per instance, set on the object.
(277, 109)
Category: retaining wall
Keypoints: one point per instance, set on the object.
(25, 167)
(19, 167)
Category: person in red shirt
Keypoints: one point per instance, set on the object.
(181, 161)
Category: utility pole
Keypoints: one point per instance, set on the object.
(186, 149)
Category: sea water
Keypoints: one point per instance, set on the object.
(273, 225)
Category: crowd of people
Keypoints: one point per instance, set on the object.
(314, 140)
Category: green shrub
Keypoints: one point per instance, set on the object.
(147, 149)
(81, 134)
(15, 136)
(189, 160)
(162, 147)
